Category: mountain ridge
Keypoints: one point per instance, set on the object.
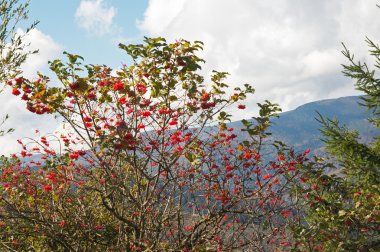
(299, 128)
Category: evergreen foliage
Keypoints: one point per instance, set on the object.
(342, 209)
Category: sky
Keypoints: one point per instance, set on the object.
(288, 50)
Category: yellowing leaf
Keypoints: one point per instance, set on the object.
(341, 213)
(39, 94)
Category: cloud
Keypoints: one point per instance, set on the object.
(24, 122)
(48, 49)
(96, 17)
(288, 50)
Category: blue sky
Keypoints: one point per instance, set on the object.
(289, 50)
(57, 19)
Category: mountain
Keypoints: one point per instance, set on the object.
(300, 129)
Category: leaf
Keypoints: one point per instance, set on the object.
(173, 98)
(39, 94)
(191, 157)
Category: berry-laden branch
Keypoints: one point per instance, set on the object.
(150, 162)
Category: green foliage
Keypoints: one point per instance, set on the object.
(13, 50)
(3, 132)
(343, 197)
(366, 79)
(267, 112)
(149, 174)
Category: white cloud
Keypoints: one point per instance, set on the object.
(48, 49)
(96, 17)
(24, 122)
(289, 50)
(158, 21)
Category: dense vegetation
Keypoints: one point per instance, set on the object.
(141, 170)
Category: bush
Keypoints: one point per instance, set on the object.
(150, 163)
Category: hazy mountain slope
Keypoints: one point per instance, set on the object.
(300, 129)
